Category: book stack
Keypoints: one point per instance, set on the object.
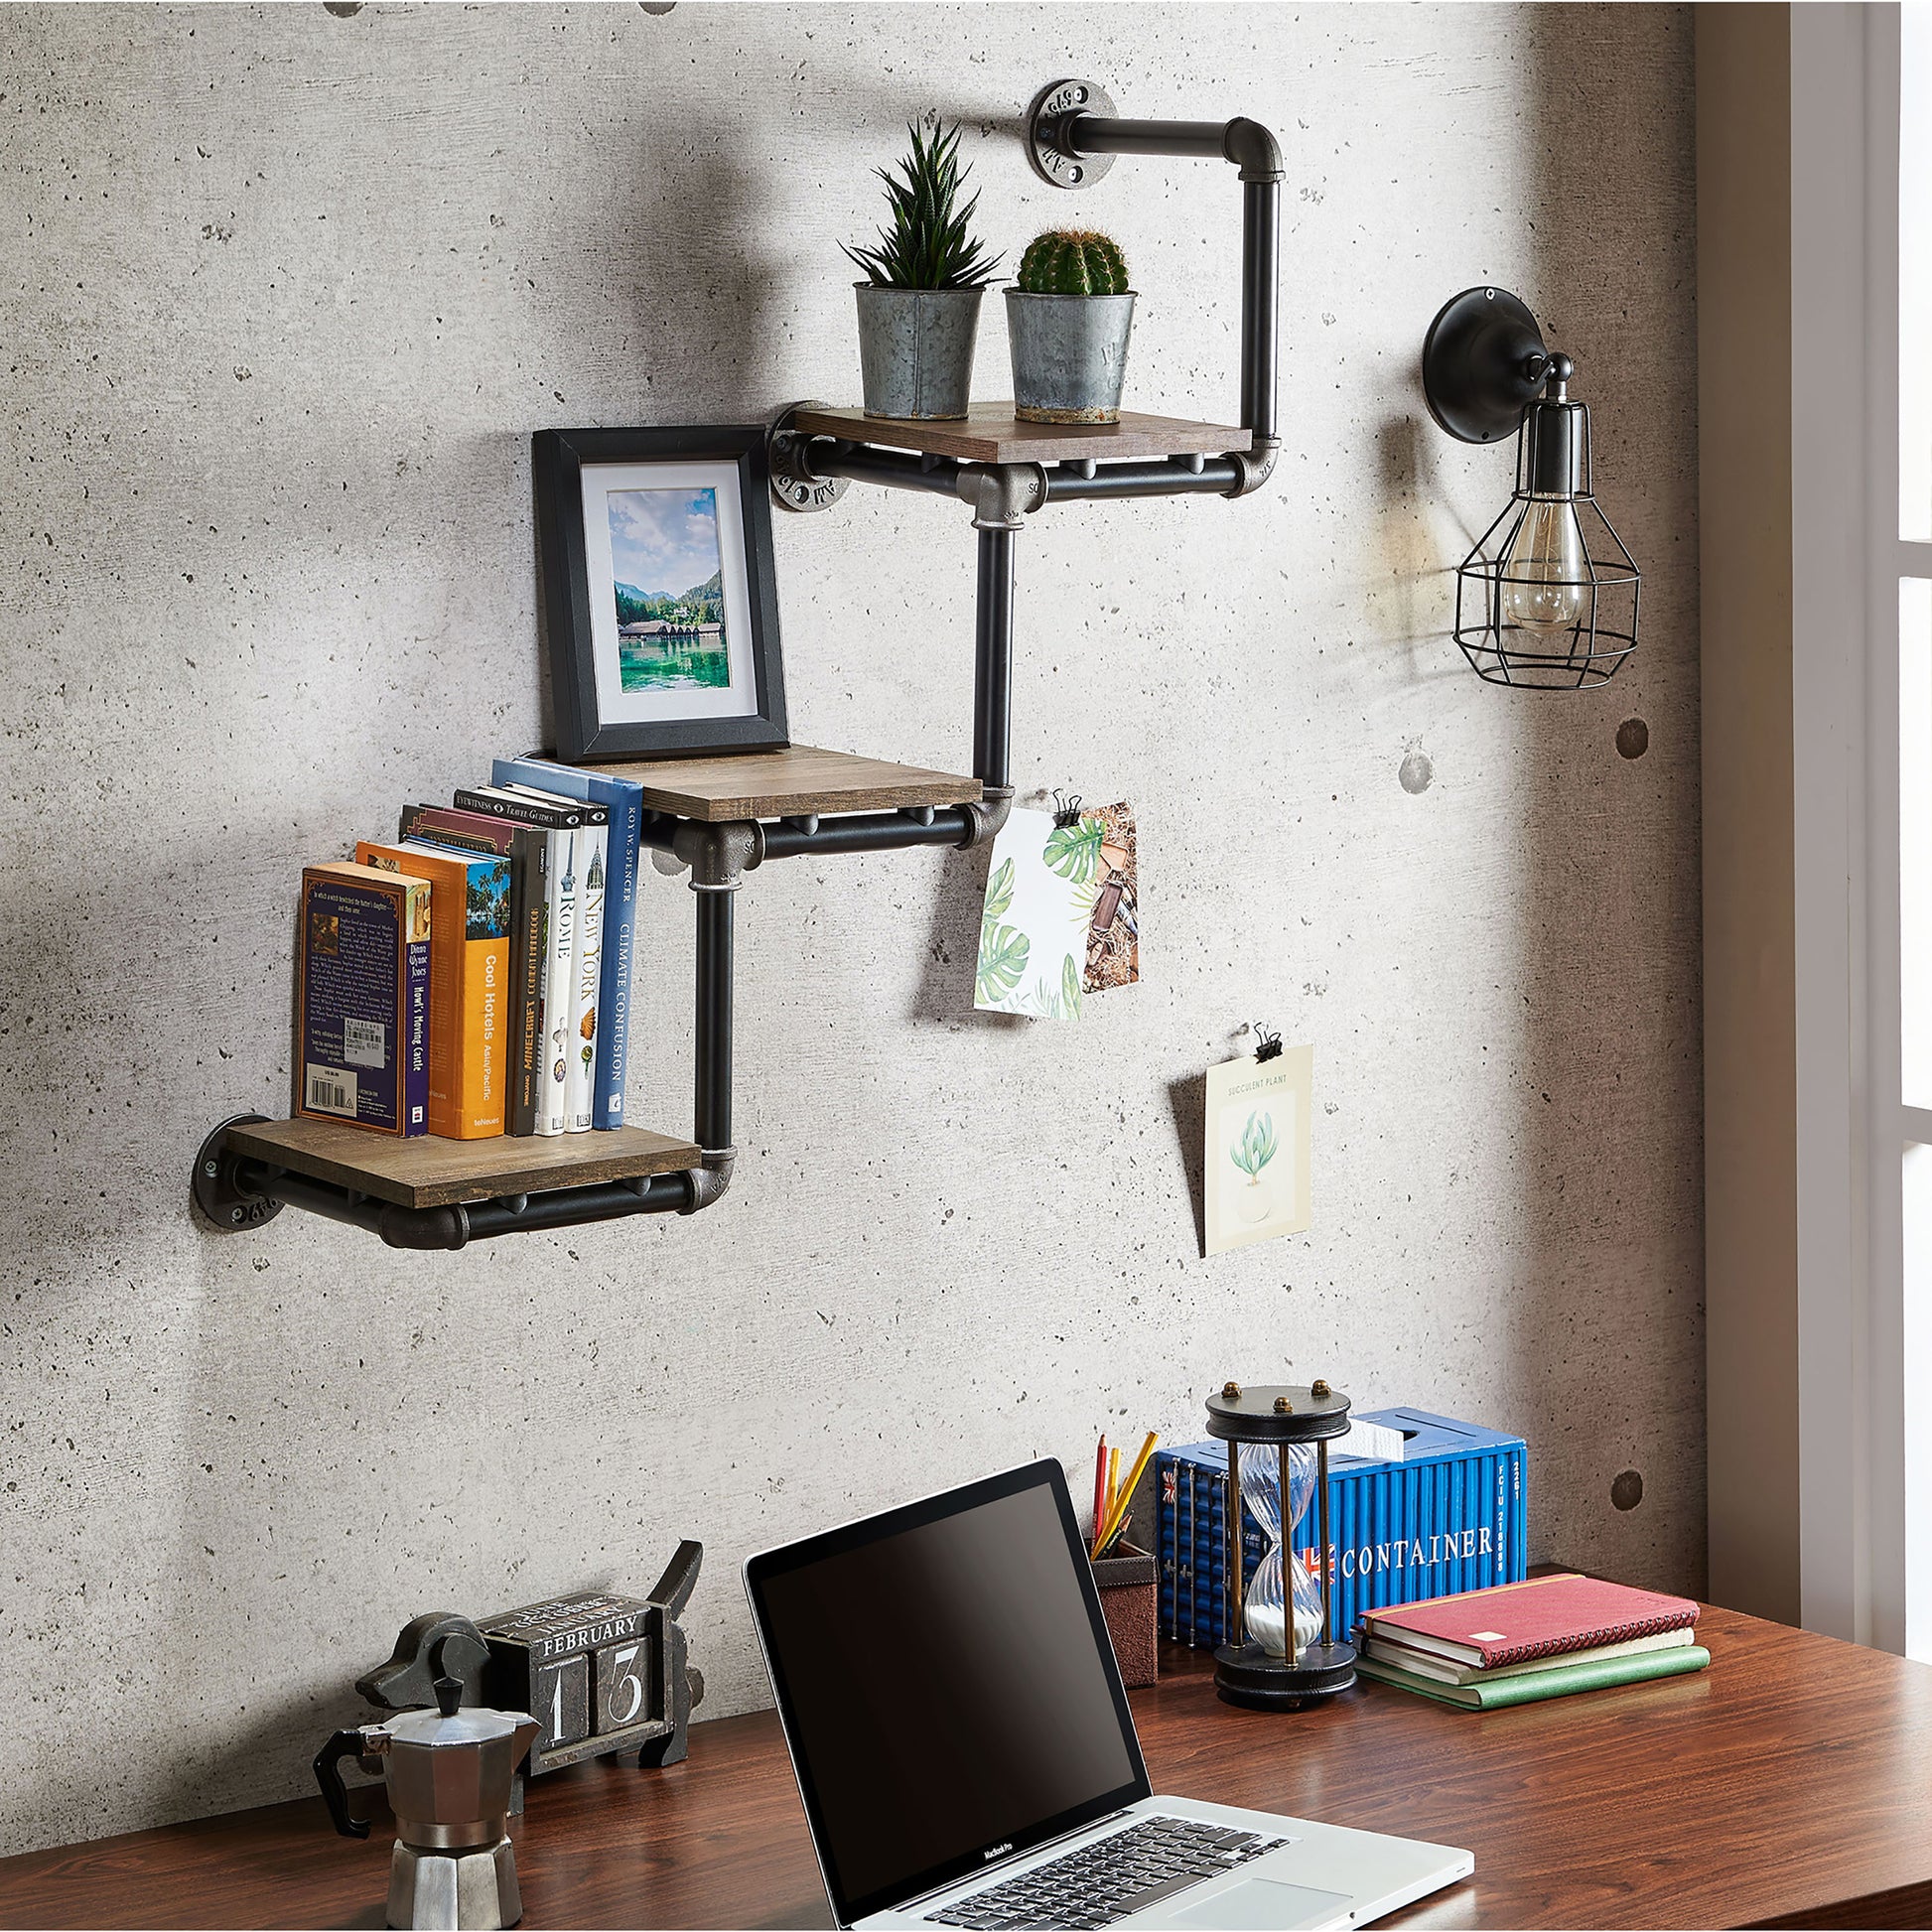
(1521, 1642)
(472, 976)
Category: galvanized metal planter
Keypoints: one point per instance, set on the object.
(915, 349)
(1070, 355)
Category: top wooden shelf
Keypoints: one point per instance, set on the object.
(427, 1170)
(992, 433)
(796, 781)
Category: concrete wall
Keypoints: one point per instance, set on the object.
(282, 295)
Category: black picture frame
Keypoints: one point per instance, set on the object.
(559, 460)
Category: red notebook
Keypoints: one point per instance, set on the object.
(1544, 1618)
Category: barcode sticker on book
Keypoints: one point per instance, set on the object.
(364, 1041)
(329, 1090)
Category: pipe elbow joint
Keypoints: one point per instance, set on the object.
(986, 815)
(1252, 149)
(1253, 466)
(425, 1228)
(707, 1183)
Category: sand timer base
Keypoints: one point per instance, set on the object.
(1248, 1675)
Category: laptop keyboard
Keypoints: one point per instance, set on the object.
(1112, 1877)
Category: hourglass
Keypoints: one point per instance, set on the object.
(1284, 1654)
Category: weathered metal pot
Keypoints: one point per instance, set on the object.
(1070, 355)
(915, 349)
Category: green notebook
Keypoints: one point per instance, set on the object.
(1559, 1681)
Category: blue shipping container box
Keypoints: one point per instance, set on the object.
(1450, 1516)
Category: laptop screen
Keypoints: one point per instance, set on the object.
(947, 1685)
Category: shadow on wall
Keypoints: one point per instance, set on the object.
(1597, 899)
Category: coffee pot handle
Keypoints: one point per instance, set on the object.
(344, 1743)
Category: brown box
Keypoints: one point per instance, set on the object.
(1130, 1601)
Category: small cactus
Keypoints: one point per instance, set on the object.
(1072, 263)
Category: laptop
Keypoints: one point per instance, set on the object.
(966, 1755)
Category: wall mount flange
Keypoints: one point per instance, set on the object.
(1049, 148)
(793, 487)
(1482, 363)
(230, 1206)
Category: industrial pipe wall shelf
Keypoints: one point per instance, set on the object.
(722, 817)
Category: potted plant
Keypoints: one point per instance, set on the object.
(919, 304)
(1069, 317)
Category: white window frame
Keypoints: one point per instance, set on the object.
(1866, 1569)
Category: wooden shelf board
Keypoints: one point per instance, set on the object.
(991, 433)
(427, 1170)
(777, 784)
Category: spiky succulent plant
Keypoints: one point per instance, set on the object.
(927, 246)
(1256, 1147)
(1072, 261)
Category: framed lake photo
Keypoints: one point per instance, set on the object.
(660, 593)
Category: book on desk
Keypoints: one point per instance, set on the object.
(1520, 1643)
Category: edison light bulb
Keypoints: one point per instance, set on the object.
(1545, 578)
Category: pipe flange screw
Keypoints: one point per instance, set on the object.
(1047, 148)
(1321, 1391)
(1284, 1406)
(793, 486)
(1230, 1390)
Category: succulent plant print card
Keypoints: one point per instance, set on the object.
(1032, 930)
(1259, 1135)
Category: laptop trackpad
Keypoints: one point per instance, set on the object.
(1266, 1905)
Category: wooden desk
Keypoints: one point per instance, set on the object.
(1791, 1782)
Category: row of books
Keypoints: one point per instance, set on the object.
(1546, 1637)
(472, 976)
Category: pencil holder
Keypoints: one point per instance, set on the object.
(1130, 1589)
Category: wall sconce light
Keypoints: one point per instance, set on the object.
(1548, 598)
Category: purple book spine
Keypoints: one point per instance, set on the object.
(415, 1077)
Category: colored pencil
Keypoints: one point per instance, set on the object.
(1100, 1498)
(1126, 1491)
(1113, 1479)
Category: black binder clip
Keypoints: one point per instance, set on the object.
(1271, 1044)
(1066, 808)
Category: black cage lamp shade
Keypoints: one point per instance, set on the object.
(1547, 599)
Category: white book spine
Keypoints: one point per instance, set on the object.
(587, 968)
(553, 1103)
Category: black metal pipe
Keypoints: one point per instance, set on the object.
(315, 1197)
(456, 1226)
(1164, 476)
(563, 1207)
(1256, 152)
(1261, 222)
(865, 832)
(712, 1072)
(1109, 134)
(829, 456)
(992, 657)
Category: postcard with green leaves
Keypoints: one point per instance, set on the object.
(1032, 936)
(1259, 1137)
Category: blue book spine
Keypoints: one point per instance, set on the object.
(624, 800)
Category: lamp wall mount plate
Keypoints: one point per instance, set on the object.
(1484, 362)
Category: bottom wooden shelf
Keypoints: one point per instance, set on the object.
(430, 1172)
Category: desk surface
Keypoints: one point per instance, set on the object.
(1790, 1782)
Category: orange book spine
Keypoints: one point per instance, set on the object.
(468, 1042)
(485, 1035)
